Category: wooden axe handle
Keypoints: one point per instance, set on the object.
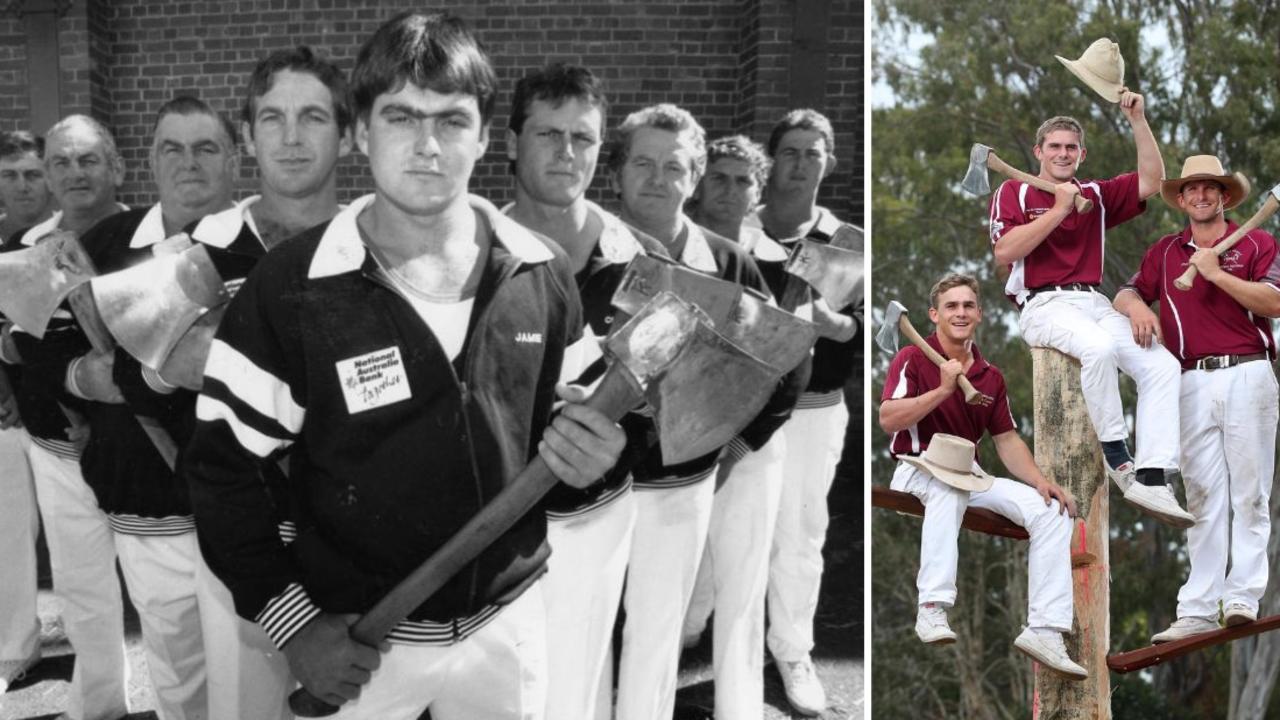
(906, 328)
(1083, 204)
(1268, 209)
(615, 395)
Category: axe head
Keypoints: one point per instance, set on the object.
(836, 273)
(1275, 191)
(150, 306)
(184, 367)
(651, 339)
(646, 276)
(975, 180)
(887, 338)
(772, 335)
(35, 281)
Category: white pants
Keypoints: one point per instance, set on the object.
(814, 439)
(498, 673)
(160, 571)
(671, 529)
(1228, 457)
(734, 576)
(581, 589)
(19, 525)
(1086, 327)
(1049, 556)
(82, 557)
(248, 677)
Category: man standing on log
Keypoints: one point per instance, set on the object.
(1055, 255)
(1220, 330)
(934, 436)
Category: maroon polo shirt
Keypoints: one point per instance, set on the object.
(1072, 253)
(912, 374)
(1205, 320)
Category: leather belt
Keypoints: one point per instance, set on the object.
(1072, 287)
(1219, 362)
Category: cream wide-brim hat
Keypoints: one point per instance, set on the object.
(1101, 67)
(950, 459)
(1206, 167)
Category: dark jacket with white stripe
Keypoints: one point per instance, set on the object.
(393, 447)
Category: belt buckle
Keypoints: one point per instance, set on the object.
(1217, 362)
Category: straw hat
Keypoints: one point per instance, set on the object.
(950, 459)
(1206, 167)
(1100, 67)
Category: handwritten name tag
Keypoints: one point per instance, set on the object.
(372, 380)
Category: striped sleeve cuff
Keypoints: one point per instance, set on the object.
(72, 386)
(157, 383)
(286, 614)
(736, 449)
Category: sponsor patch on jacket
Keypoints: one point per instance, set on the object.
(373, 380)
(529, 337)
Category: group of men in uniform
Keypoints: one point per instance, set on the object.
(382, 375)
(1202, 366)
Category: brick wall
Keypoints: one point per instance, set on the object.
(724, 60)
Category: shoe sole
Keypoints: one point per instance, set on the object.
(939, 641)
(1164, 640)
(1237, 620)
(1181, 523)
(1069, 674)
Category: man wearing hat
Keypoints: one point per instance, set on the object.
(1220, 330)
(934, 436)
(1055, 257)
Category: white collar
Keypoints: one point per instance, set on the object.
(43, 228)
(697, 252)
(222, 228)
(757, 241)
(341, 250)
(150, 231)
(616, 242)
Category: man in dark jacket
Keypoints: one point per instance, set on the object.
(405, 355)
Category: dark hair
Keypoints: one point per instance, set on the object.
(434, 51)
(950, 282)
(191, 105)
(556, 84)
(301, 60)
(741, 147)
(803, 119)
(21, 142)
(664, 116)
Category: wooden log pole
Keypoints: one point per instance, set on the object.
(1067, 450)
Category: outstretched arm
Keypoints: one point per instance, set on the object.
(1150, 162)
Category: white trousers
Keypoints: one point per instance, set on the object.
(82, 557)
(160, 571)
(814, 439)
(1086, 327)
(19, 526)
(1049, 556)
(248, 677)
(671, 529)
(734, 576)
(498, 673)
(582, 589)
(1228, 457)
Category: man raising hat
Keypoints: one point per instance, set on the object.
(1220, 330)
(934, 436)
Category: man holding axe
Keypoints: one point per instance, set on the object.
(935, 433)
(405, 354)
(1220, 330)
(1055, 255)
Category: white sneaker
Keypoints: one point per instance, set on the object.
(1049, 650)
(1123, 476)
(12, 671)
(932, 627)
(804, 690)
(1237, 612)
(1185, 627)
(1159, 502)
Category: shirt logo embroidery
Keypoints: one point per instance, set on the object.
(529, 337)
(373, 380)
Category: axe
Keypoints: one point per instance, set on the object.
(1268, 209)
(835, 272)
(667, 342)
(35, 281)
(976, 182)
(895, 321)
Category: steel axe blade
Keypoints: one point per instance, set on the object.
(836, 273)
(976, 182)
(887, 337)
(35, 281)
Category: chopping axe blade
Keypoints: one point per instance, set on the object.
(836, 273)
(976, 181)
(35, 281)
(647, 276)
(770, 334)
(895, 321)
(150, 306)
(982, 158)
(184, 367)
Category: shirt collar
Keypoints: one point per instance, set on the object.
(697, 252)
(150, 231)
(341, 251)
(1185, 237)
(979, 363)
(222, 228)
(52, 223)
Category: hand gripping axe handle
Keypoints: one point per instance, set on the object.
(982, 157)
(895, 321)
(643, 350)
(1269, 207)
